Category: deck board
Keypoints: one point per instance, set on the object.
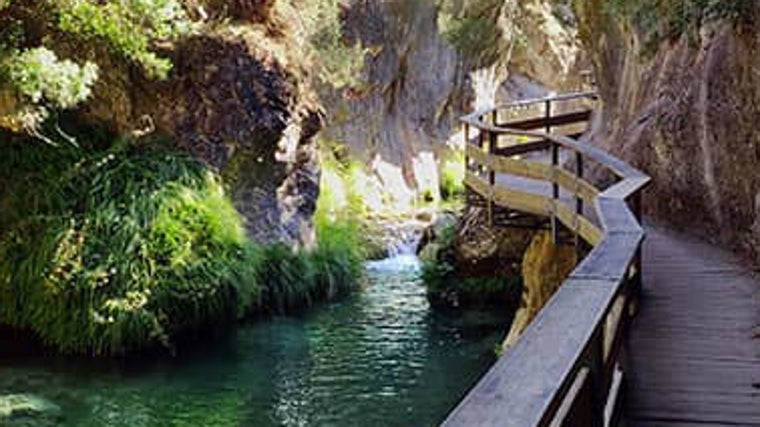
(693, 350)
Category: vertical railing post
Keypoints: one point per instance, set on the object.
(481, 143)
(555, 165)
(492, 140)
(579, 177)
(636, 280)
(466, 133)
(578, 198)
(555, 192)
(596, 378)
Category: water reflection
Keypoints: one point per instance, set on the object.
(379, 358)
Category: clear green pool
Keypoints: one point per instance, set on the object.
(378, 358)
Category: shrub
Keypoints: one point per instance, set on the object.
(447, 287)
(452, 175)
(39, 75)
(294, 280)
(117, 250)
(472, 28)
(338, 62)
(127, 27)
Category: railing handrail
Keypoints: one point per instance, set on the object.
(565, 342)
(590, 94)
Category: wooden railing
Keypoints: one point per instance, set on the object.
(566, 369)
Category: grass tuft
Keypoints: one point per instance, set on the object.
(110, 251)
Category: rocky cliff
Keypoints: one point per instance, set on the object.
(419, 79)
(237, 98)
(682, 105)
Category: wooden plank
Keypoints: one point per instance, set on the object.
(477, 116)
(615, 216)
(566, 409)
(523, 168)
(535, 170)
(575, 185)
(477, 155)
(610, 258)
(526, 386)
(627, 187)
(577, 223)
(509, 198)
(613, 408)
(520, 149)
(557, 120)
(692, 354)
(477, 184)
(522, 201)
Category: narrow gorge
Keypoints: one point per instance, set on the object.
(262, 212)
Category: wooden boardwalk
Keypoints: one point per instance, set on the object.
(694, 348)
(691, 355)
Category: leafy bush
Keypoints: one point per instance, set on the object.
(446, 286)
(117, 250)
(110, 250)
(39, 75)
(338, 63)
(128, 27)
(471, 27)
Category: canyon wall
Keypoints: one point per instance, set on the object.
(683, 109)
(404, 119)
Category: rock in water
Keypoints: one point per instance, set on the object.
(18, 410)
(545, 266)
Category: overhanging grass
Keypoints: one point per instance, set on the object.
(110, 251)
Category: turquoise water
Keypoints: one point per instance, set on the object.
(378, 358)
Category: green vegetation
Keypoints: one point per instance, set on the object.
(296, 280)
(658, 20)
(129, 28)
(43, 83)
(447, 287)
(338, 63)
(472, 28)
(452, 175)
(111, 248)
(141, 32)
(39, 75)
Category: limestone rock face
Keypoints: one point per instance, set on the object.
(482, 250)
(685, 112)
(406, 116)
(415, 88)
(232, 105)
(544, 267)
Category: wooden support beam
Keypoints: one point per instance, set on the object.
(546, 123)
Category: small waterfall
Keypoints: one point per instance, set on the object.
(405, 243)
(402, 251)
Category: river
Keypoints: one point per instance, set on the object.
(380, 357)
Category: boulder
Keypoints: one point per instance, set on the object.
(544, 267)
(18, 410)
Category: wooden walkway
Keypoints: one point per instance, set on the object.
(694, 348)
(691, 355)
